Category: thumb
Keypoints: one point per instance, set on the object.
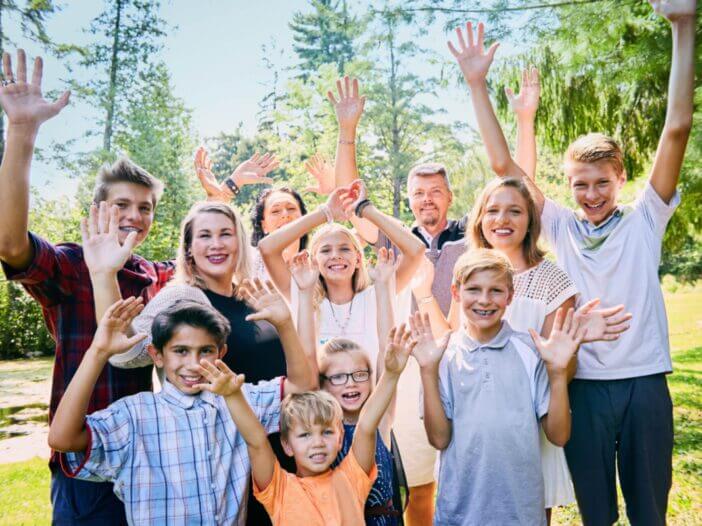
(493, 49)
(61, 102)
(256, 316)
(133, 340)
(130, 242)
(537, 339)
(509, 94)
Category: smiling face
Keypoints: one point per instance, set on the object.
(214, 247)
(505, 219)
(595, 187)
(280, 209)
(430, 199)
(336, 257)
(314, 447)
(483, 298)
(181, 356)
(354, 393)
(136, 208)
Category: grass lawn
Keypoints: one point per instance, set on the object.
(24, 492)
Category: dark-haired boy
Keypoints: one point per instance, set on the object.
(175, 457)
(57, 275)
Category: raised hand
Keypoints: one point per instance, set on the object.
(111, 334)
(357, 193)
(673, 10)
(265, 299)
(385, 266)
(203, 168)
(101, 247)
(322, 170)
(22, 101)
(426, 351)
(222, 380)
(304, 271)
(423, 280)
(339, 203)
(349, 107)
(471, 55)
(255, 169)
(398, 350)
(562, 344)
(525, 104)
(602, 324)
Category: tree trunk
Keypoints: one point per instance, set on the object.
(112, 88)
(395, 154)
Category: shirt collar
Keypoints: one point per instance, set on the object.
(498, 343)
(173, 395)
(591, 227)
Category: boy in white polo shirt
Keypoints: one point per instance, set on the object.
(621, 407)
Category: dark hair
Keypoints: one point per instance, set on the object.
(192, 314)
(124, 170)
(257, 214)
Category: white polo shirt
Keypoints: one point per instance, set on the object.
(618, 266)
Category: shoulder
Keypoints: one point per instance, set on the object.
(178, 292)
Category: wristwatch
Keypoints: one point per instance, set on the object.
(232, 185)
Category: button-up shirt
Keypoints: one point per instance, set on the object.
(175, 458)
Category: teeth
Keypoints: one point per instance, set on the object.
(503, 231)
(483, 312)
(129, 229)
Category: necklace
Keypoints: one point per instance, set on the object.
(345, 323)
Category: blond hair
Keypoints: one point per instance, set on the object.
(530, 248)
(186, 270)
(307, 409)
(336, 346)
(426, 170)
(124, 170)
(360, 278)
(479, 260)
(594, 148)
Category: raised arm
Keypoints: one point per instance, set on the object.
(272, 246)
(427, 304)
(302, 373)
(397, 352)
(306, 276)
(224, 382)
(67, 431)
(524, 106)
(665, 171)
(26, 111)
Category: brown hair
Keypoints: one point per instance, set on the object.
(480, 259)
(530, 248)
(594, 148)
(186, 271)
(427, 169)
(336, 346)
(125, 171)
(307, 409)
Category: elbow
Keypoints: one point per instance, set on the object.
(678, 129)
(500, 167)
(559, 439)
(58, 443)
(265, 247)
(439, 442)
(11, 249)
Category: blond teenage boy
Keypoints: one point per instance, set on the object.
(485, 394)
(622, 411)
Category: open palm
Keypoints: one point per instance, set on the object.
(563, 342)
(222, 380)
(526, 102)
(111, 336)
(426, 351)
(398, 350)
(304, 271)
(471, 55)
(102, 250)
(349, 106)
(266, 301)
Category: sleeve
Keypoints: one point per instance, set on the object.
(265, 398)
(656, 212)
(271, 497)
(138, 356)
(109, 437)
(445, 391)
(165, 271)
(552, 219)
(560, 287)
(361, 482)
(542, 390)
(52, 275)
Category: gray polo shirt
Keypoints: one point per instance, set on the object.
(495, 395)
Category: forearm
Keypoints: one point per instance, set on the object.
(345, 169)
(15, 247)
(526, 145)
(67, 431)
(428, 305)
(246, 421)
(307, 327)
(105, 292)
(437, 426)
(681, 85)
(374, 409)
(557, 422)
(385, 307)
(301, 367)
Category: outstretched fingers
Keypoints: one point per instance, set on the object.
(21, 66)
(7, 66)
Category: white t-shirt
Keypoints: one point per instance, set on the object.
(623, 268)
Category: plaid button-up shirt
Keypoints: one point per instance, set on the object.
(59, 280)
(175, 458)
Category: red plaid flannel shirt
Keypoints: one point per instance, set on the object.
(59, 280)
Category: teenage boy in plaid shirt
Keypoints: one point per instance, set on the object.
(57, 276)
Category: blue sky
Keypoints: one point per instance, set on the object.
(213, 51)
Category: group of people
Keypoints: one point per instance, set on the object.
(297, 384)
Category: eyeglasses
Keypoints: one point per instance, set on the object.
(343, 378)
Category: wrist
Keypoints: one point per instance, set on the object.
(477, 83)
(429, 370)
(325, 213)
(232, 185)
(97, 355)
(362, 207)
(526, 119)
(347, 134)
(26, 131)
(424, 298)
(284, 325)
(556, 375)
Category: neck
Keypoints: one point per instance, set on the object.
(340, 292)
(351, 417)
(482, 334)
(223, 286)
(435, 230)
(516, 258)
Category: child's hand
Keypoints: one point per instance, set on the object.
(673, 10)
(111, 334)
(400, 345)
(304, 271)
(266, 301)
(223, 381)
(602, 324)
(423, 280)
(566, 336)
(349, 107)
(426, 351)
(357, 193)
(472, 58)
(102, 250)
(385, 266)
(322, 170)
(525, 104)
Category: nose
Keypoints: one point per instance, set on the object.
(484, 297)
(132, 213)
(318, 439)
(591, 193)
(502, 216)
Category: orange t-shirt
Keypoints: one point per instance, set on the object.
(334, 498)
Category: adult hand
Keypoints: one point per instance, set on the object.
(471, 55)
(562, 344)
(426, 351)
(357, 193)
(349, 107)
(304, 271)
(22, 101)
(673, 10)
(203, 168)
(222, 380)
(385, 266)
(339, 203)
(265, 299)
(398, 350)
(111, 334)
(602, 324)
(322, 170)
(102, 250)
(525, 104)
(255, 169)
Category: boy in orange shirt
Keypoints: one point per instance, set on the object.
(312, 432)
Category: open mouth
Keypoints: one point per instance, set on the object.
(217, 259)
(503, 231)
(484, 313)
(594, 208)
(337, 267)
(353, 396)
(129, 229)
(191, 380)
(318, 458)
